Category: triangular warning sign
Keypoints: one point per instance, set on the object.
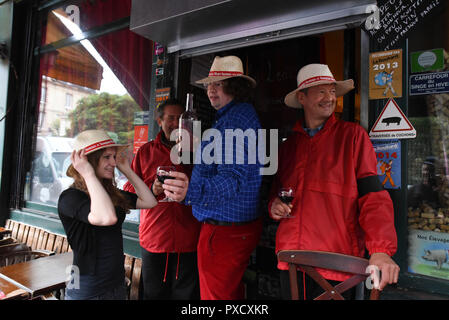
(392, 124)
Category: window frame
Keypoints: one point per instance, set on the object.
(39, 214)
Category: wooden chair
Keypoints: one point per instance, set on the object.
(307, 261)
(6, 241)
(13, 247)
(22, 256)
(4, 232)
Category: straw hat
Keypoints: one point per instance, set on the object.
(315, 74)
(224, 68)
(93, 140)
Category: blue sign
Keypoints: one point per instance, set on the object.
(388, 153)
(426, 83)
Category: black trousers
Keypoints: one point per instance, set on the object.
(313, 289)
(170, 276)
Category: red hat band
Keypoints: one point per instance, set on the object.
(99, 144)
(312, 80)
(224, 73)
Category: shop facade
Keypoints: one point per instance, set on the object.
(76, 65)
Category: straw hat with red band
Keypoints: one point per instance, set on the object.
(315, 74)
(93, 140)
(224, 68)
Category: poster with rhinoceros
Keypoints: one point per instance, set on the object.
(429, 253)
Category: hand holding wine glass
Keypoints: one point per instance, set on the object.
(163, 173)
(281, 206)
(177, 187)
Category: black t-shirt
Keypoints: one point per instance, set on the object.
(97, 250)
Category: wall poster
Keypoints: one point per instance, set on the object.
(428, 253)
(385, 74)
(388, 153)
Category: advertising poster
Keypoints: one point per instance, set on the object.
(162, 94)
(428, 253)
(388, 153)
(140, 137)
(385, 74)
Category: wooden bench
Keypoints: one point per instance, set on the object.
(40, 239)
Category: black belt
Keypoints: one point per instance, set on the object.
(227, 223)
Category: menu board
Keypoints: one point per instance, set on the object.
(398, 17)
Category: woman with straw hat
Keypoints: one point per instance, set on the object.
(92, 211)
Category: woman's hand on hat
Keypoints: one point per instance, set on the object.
(81, 164)
(121, 159)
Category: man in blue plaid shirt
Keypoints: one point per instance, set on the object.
(224, 186)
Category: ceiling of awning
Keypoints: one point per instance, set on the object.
(72, 64)
(187, 24)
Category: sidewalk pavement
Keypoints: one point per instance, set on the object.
(398, 293)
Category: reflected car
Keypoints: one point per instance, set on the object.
(48, 172)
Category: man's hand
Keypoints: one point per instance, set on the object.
(279, 209)
(388, 268)
(157, 187)
(176, 188)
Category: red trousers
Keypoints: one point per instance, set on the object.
(223, 256)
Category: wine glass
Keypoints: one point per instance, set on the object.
(162, 174)
(286, 195)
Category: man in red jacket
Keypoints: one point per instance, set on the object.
(168, 232)
(339, 204)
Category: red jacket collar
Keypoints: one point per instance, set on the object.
(298, 127)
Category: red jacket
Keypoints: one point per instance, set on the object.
(328, 213)
(169, 226)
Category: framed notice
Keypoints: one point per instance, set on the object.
(429, 60)
(429, 83)
(385, 74)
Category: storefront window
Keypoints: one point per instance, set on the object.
(428, 154)
(101, 83)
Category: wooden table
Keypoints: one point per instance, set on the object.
(39, 276)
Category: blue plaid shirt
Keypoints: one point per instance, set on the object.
(227, 191)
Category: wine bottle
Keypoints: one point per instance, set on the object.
(186, 123)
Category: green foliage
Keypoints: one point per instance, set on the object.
(109, 112)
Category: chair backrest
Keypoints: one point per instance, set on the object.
(307, 261)
(6, 241)
(22, 256)
(13, 247)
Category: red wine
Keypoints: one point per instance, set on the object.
(286, 199)
(162, 178)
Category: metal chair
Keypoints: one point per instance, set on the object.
(307, 261)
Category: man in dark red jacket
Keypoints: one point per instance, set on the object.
(168, 232)
(339, 203)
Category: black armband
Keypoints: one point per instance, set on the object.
(368, 184)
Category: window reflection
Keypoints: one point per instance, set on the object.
(98, 84)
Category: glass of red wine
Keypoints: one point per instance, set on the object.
(286, 195)
(162, 174)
